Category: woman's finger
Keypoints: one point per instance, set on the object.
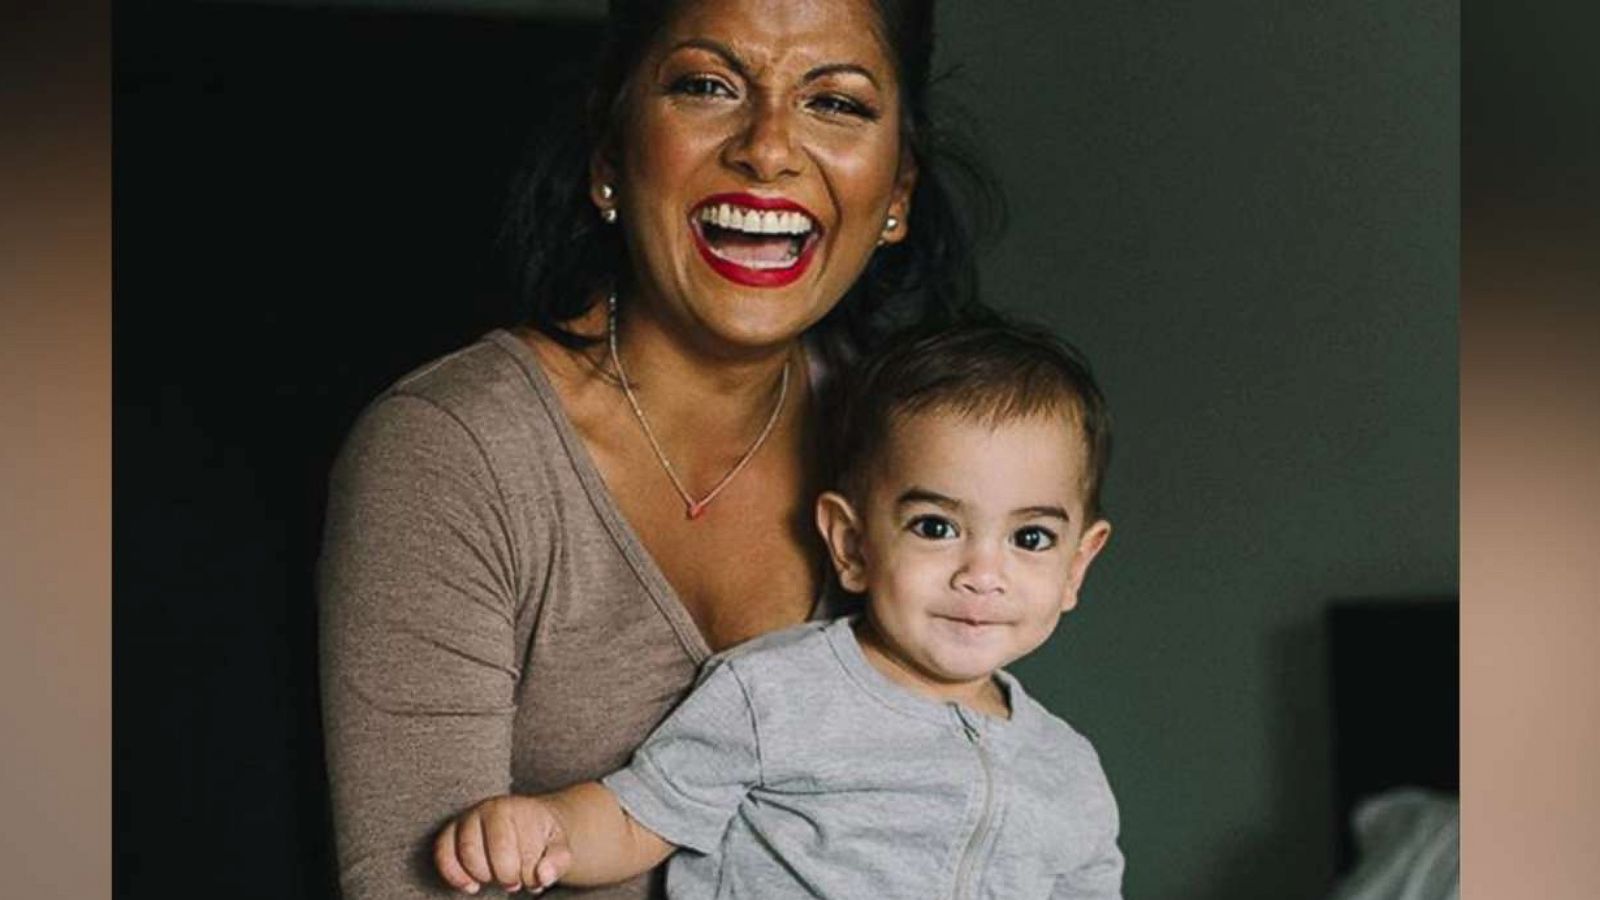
(469, 847)
(444, 858)
(500, 842)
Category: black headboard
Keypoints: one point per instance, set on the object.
(1396, 700)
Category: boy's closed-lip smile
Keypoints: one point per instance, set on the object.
(972, 621)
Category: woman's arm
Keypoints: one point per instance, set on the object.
(578, 835)
(418, 605)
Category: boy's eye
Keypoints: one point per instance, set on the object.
(934, 528)
(701, 86)
(1034, 538)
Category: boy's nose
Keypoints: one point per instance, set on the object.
(981, 571)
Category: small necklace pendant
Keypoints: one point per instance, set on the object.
(694, 509)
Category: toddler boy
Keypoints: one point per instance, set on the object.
(885, 754)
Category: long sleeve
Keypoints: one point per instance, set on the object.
(418, 595)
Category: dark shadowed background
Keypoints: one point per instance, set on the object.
(1245, 213)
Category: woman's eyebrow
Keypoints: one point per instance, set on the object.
(711, 46)
(842, 69)
(734, 62)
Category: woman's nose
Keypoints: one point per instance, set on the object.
(982, 570)
(764, 148)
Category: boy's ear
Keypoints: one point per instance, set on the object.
(841, 531)
(1089, 546)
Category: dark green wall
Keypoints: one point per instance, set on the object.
(1246, 214)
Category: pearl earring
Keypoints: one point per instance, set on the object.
(607, 192)
(889, 225)
(608, 214)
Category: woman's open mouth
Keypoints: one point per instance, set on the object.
(755, 241)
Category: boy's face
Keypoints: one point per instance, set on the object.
(970, 544)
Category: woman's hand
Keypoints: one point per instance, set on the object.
(516, 842)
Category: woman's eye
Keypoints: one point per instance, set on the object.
(1034, 538)
(840, 105)
(934, 528)
(701, 86)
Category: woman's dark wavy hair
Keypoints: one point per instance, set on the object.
(561, 254)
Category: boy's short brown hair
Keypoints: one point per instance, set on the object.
(993, 373)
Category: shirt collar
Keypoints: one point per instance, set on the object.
(842, 638)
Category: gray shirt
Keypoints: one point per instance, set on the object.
(796, 769)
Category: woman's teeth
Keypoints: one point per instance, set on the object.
(756, 221)
(755, 238)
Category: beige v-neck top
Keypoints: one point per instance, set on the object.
(489, 620)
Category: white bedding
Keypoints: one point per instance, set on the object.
(1408, 848)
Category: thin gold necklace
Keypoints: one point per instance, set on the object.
(693, 508)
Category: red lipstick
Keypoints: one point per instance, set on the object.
(751, 276)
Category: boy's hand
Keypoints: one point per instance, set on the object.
(515, 842)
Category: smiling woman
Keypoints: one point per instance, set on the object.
(760, 107)
(534, 542)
